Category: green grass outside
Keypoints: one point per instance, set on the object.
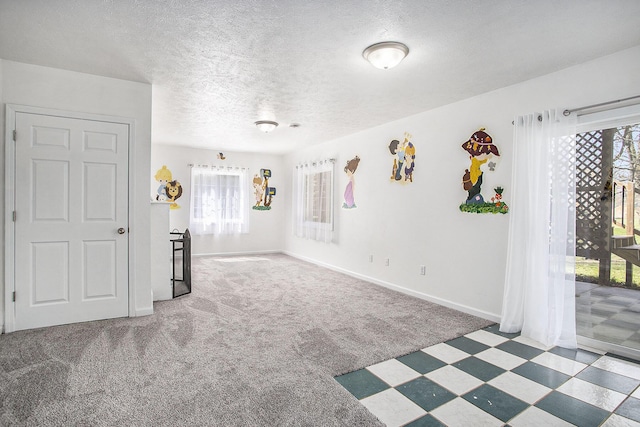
(587, 270)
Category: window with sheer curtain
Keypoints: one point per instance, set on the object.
(218, 201)
(313, 205)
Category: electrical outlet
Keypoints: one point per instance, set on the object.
(370, 258)
(386, 262)
(423, 270)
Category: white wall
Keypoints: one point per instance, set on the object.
(70, 91)
(2, 119)
(420, 223)
(265, 229)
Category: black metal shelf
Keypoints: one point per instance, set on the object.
(181, 285)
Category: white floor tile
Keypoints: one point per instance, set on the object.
(501, 358)
(453, 379)
(591, 393)
(393, 408)
(487, 338)
(559, 363)
(446, 353)
(636, 393)
(618, 421)
(459, 412)
(531, 343)
(520, 387)
(393, 372)
(535, 417)
(618, 366)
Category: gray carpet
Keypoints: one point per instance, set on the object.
(257, 343)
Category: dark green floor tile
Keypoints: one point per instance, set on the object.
(541, 374)
(496, 402)
(421, 362)
(578, 355)
(468, 345)
(479, 368)
(572, 410)
(495, 329)
(609, 380)
(425, 393)
(362, 383)
(426, 421)
(630, 408)
(520, 350)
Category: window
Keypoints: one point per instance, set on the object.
(218, 201)
(313, 206)
(317, 188)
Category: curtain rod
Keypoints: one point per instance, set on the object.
(602, 104)
(191, 165)
(315, 163)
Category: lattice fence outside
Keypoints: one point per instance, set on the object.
(593, 200)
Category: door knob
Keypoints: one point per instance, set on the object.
(120, 230)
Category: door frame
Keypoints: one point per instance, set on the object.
(9, 202)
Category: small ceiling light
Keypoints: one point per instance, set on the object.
(266, 126)
(385, 55)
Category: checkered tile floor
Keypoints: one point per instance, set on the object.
(489, 378)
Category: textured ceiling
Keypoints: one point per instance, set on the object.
(218, 66)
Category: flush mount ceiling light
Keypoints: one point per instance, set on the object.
(266, 126)
(385, 55)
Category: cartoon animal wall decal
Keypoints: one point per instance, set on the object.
(263, 193)
(481, 149)
(350, 170)
(169, 190)
(174, 191)
(404, 155)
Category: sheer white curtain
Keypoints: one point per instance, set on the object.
(313, 201)
(219, 202)
(539, 295)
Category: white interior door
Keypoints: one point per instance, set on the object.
(71, 223)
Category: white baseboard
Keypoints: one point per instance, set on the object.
(144, 311)
(248, 253)
(440, 301)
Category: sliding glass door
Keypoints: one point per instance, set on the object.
(608, 231)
